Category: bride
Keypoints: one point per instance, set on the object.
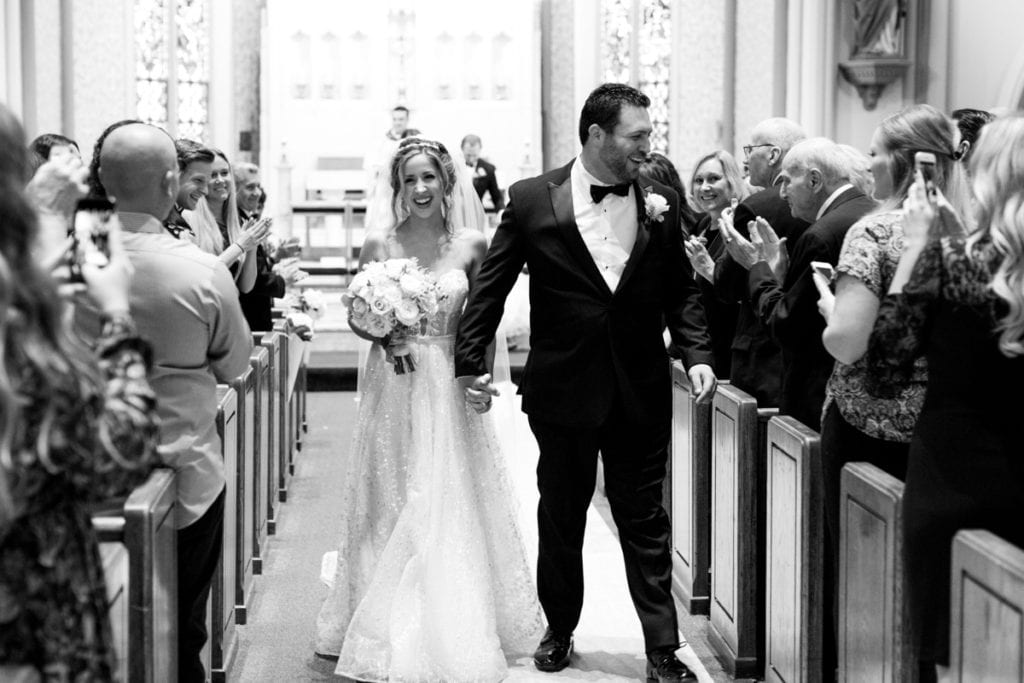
(431, 581)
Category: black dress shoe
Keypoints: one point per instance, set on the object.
(554, 651)
(663, 667)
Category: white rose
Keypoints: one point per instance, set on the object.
(407, 312)
(391, 292)
(411, 284)
(379, 305)
(395, 267)
(655, 205)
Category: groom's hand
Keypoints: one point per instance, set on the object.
(702, 382)
(479, 391)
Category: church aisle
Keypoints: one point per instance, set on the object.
(277, 643)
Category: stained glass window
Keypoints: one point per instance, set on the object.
(173, 32)
(636, 48)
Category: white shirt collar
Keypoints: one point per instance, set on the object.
(831, 198)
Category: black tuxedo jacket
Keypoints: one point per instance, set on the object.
(591, 349)
(484, 181)
(756, 358)
(790, 310)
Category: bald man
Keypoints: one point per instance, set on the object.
(756, 357)
(185, 304)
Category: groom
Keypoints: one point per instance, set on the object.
(607, 273)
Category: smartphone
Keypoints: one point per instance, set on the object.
(90, 234)
(925, 163)
(826, 270)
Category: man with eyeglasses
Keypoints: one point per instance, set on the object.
(756, 358)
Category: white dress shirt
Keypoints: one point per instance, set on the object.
(831, 199)
(608, 229)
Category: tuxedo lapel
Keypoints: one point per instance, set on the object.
(642, 237)
(565, 218)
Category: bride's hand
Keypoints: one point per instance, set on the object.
(479, 391)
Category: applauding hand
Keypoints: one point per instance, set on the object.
(770, 247)
(699, 258)
(253, 233)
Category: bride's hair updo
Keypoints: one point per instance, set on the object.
(438, 154)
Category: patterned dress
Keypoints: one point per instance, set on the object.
(101, 445)
(886, 409)
(966, 468)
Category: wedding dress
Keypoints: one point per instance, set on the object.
(431, 581)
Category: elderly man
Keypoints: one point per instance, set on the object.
(756, 358)
(815, 182)
(186, 305)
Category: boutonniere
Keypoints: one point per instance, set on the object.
(655, 207)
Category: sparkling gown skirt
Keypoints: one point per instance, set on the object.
(431, 581)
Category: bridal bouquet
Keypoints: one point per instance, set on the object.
(391, 300)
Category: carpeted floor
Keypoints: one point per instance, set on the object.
(277, 643)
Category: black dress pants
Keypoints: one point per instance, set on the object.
(634, 460)
(199, 549)
(842, 443)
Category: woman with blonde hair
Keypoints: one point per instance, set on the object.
(218, 231)
(958, 301)
(716, 184)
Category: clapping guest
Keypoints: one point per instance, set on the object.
(215, 221)
(195, 163)
(271, 279)
(756, 358)
(76, 427)
(715, 185)
(957, 300)
(483, 172)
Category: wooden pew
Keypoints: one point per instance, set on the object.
(116, 563)
(986, 609)
(795, 551)
(738, 471)
(259, 361)
(145, 527)
(272, 342)
(690, 496)
(872, 639)
(286, 441)
(245, 483)
(221, 613)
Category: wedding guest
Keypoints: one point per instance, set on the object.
(815, 182)
(716, 183)
(969, 123)
(216, 225)
(957, 301)
(78, 427)
(186, 304)
(376, 159)
(271, 278)
(756, 358)
(865, 421)
(484, 179)
(194, 165)
(45, 144)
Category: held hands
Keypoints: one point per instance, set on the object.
(703, 382)
(479, 391)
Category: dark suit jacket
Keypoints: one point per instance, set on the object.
(756, 358)
(590, 349)
(484, 180)
(790, 310)
(258, 302)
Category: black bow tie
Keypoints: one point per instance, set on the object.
(599, 192)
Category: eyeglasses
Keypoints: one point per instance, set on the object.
(747, 149)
